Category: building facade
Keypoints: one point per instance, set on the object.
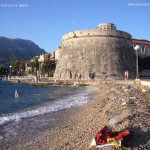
(144, 50)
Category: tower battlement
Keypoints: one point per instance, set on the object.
(96, 33)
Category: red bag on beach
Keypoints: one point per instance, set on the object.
(106, 133)
(103, 135)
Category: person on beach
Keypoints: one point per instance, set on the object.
(70, 75)
(93, 76)
(90, 75)
(75, 75)
(126, 75)
(80, 77)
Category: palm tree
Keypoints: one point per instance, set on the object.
(15, 67)
(48, 66)
(34, 64)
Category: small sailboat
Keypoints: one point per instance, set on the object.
(16, 94)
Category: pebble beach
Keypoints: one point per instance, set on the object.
(74, 128)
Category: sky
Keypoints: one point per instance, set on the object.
(46, 21)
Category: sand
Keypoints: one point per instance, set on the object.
(76, 127)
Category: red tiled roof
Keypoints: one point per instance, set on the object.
(141, 42)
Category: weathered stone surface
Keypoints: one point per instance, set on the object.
(105, 54)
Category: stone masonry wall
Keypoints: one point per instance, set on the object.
(102, 53)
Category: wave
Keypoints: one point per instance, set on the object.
(49, 107)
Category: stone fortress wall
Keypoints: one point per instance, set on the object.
(94, 33)
(104, 53)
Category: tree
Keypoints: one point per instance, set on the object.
(18, 67)
(48, 66)
(15, 67)
(3, 71)
(34, 64)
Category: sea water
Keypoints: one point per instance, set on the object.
(37, 100)
(31, 102)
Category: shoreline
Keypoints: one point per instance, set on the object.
(75, 127)
(72, 96)
(71, 82)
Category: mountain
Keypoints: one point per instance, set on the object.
(17, 49)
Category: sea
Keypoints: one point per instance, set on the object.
(21, 103)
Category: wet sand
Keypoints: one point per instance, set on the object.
(73, 129)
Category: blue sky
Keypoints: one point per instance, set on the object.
(46, 21)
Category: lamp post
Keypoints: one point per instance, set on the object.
(10, 72)
(39, 71)
(40, 60)
(21, 73)
(35, 73)
(136, 48)
(6, 75)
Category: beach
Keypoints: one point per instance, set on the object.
(74, 128)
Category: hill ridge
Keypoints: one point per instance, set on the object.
(17, 49)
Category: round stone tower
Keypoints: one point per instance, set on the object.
(102, 53)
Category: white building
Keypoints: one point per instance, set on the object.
(144, 50)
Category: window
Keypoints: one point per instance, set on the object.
(143, 49)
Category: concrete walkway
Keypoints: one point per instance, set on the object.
(145, 82)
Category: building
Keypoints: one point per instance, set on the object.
(56, 55)
(101, 53)
(144, 50)
(28, 68)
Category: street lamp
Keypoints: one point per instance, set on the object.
(39, 69)
(6, 75)
(35, 73)
(40, 60)
(136, 48)
(21, 73)
(10, 72)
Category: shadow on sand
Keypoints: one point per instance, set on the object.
(137, 138)
(140, 132)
